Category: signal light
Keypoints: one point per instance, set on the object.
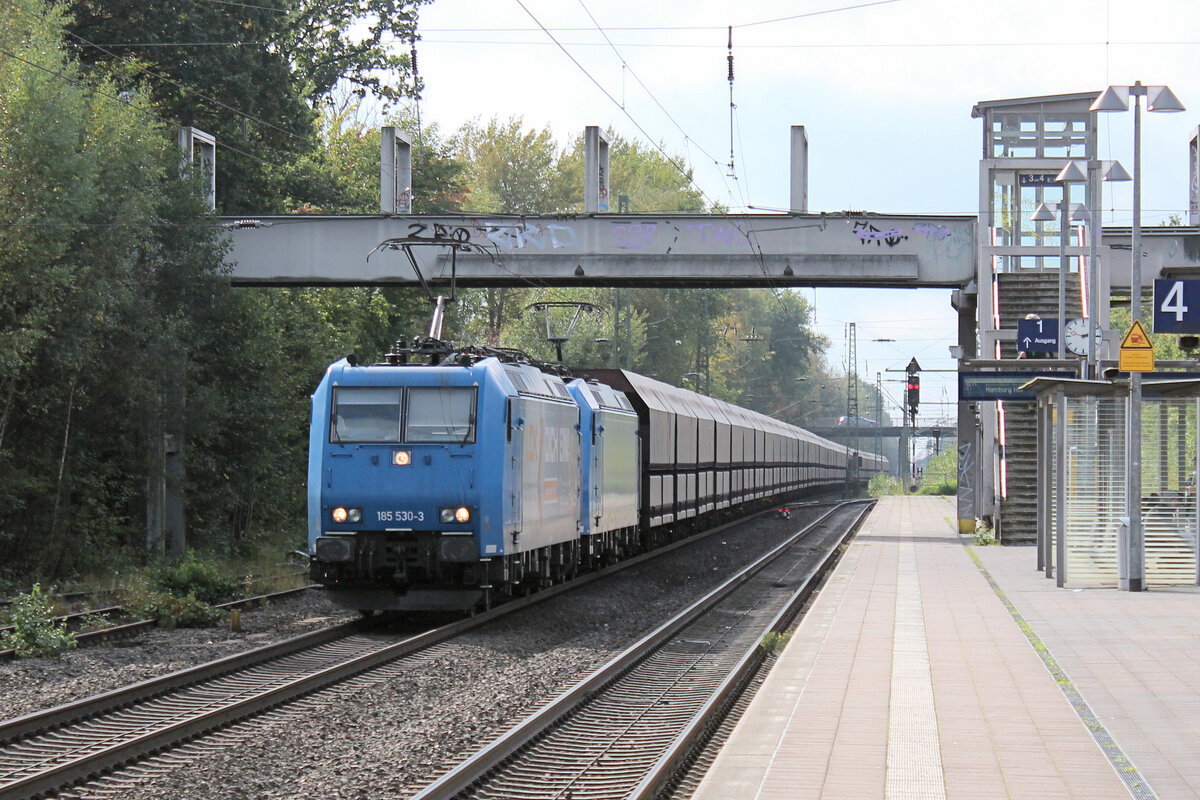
(914, 393)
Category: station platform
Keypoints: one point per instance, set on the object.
(929, 667)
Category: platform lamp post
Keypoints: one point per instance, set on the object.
(1116, 98)
(1067, 214)
(1098, 172)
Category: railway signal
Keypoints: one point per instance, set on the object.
(913, 394)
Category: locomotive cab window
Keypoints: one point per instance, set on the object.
(365, 415)
(440, 414)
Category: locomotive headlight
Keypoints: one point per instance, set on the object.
(460, 514)
(341, 515)
(401, 458)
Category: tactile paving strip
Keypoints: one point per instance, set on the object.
(914, 754)
(1133, 780)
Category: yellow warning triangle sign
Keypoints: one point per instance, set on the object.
(1137, 338)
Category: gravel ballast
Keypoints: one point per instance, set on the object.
(35, 684)
(387, 734)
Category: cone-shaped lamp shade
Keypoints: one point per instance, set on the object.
(1114, 98)
(1044, 213)
(1160, 98)
(1071, 173)
(1113, 171)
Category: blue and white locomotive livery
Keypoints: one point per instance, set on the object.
(442, 479)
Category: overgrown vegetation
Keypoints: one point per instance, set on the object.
(774, 642)
(171, 611)
(35, 633)
(197, 579)
(882, 485)
(984, 535)
(940, 476)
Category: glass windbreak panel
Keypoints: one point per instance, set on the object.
(365, 415)
(441, 414)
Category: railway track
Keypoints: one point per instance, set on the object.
(125, 630)
(71, 745)
(628, 729)
(74, 597)
(45, 752)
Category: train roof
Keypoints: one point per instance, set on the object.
(601, 395)
(660, 396)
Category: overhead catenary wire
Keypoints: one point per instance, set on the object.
(732, 171)
(255, 6)
(962, 44)
(90, 88)
(171, 44)
(687, 138)
(755, 250)
(166, 79)
(822, 12)
(674, 163)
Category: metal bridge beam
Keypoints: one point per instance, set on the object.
(847, 249)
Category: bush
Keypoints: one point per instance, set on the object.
(940, 488)
(197, 579)
(170, 611)
(881, 485)
(775, 642)
(984, 535)
(34, 632)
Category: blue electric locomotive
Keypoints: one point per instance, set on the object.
(434, 486)
(440, 479)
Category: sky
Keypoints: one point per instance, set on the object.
(884, 90)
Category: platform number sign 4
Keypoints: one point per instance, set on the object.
(1176, 306)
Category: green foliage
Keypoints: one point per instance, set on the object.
(112, 300)
(259, 94)
(92, 622)
(940, 476)
(1166, 345)
(775, 642)
(984, 535)
(648, 179)
(197, 579)
(34, 633)
(170, 611)
(341, 176)
(882, 485)
(510, 170)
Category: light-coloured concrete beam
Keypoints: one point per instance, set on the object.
(848, 249)
(1166, 252)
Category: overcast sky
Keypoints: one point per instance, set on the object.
(884, 90)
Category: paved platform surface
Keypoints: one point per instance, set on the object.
(928, 668)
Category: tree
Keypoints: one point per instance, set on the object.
(341, 176)
(652, 181)
(251, 74)
(510, 170)
(109, 265)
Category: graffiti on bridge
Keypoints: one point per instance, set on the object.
(868, 233)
